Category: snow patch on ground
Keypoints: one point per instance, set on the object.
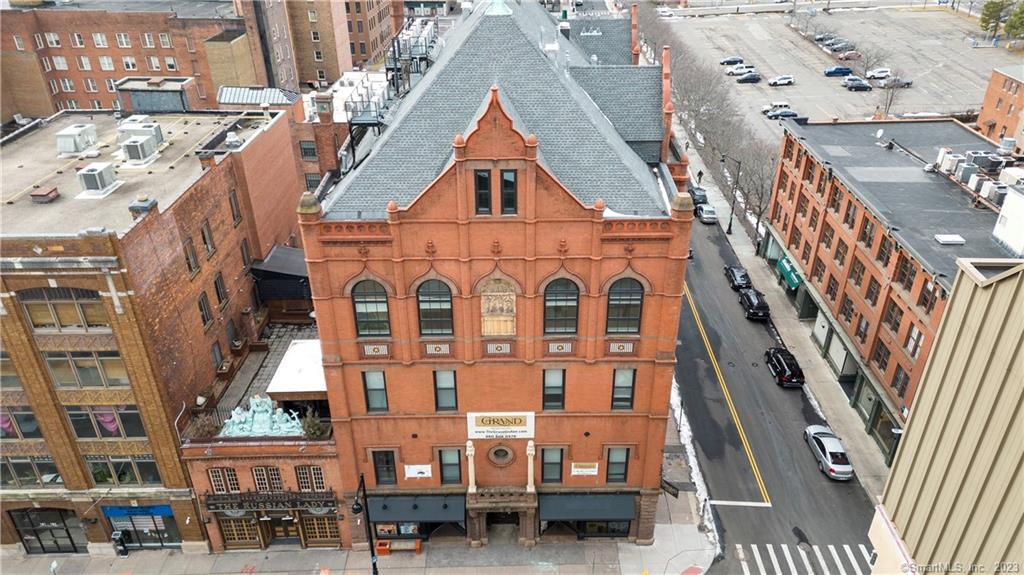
(814, 402)
(703, 498)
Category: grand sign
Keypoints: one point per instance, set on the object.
(495, 425)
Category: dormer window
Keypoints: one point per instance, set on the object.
(509, 193)
(482, 180)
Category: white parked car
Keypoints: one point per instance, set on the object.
(771, 107)
(783, 80)
(665, 13)
(847, 80)
(878, 74)
(740, 69)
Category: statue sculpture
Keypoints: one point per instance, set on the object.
(261, 420)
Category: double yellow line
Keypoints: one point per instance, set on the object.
(728, 398)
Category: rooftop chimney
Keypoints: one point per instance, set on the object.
(634, 45)
(142, 205)
(206, 159)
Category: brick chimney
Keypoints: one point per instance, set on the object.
(668, 110)
(634, 45)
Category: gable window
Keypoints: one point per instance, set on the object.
(623, 382)
(551, 465)
(561, 307)
(371, 309)
(625, 304)
(376, 392)
(618, 465)
(434, 299)
(509, 201)
(451, 466)
(384, 467)
(554, 389)
(498, 308)
(445, 394)
(482, 183)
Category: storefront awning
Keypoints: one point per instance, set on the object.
(789, 273)
(588, 507)
(430, 508)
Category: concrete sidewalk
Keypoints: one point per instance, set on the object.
(822, 383)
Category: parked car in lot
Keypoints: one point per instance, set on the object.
(878, 74)
(784, 367)
(666, 13)
(838, 71)
(824, 37)
(731, 61)
(740, 69)
(834, 41)
(784, 113)
(706, 214)
(783, 80)
(850, 55)
(895, 81)
(738, 277)
(772, 106)
(754, 305)
(851, 80)
(858, 87)
(699, 194)
(749, 78)
(843, 47)
(829, 452)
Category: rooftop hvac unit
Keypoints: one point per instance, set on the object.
(950, 162)
(97, 179)
(135, 119)
(976, 181)
(942, 153)
(126, 131)
(997, 163)
(1011, 176)
(971, 155)
(138, 149)
(1006, 145)
(1001, 193)
(964, 171)
(990, 188)
(76, 138)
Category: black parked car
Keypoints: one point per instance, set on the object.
(859, 87)
(754, 304)
(731, 61)
(700, 196)
(749, 78)
(737, 276)
(784, 367)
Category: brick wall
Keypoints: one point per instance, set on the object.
(1002, 108)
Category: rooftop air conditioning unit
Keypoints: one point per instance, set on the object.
(144, 129)
(76, 138)
(972, 155)
(1006, 145)
(1011, 176)
(139, 149)
(942, 153)
(135, 119)
(233, 141)
(1002, 192)
(97, 179)
(976, 181)
(991, 188)
(950, 162)
(964, 171)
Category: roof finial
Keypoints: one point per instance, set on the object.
(498, 8)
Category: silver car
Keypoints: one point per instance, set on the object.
(706, 214)
(829, 451)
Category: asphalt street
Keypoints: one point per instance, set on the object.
(772, 505)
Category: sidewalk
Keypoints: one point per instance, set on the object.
(821, 380)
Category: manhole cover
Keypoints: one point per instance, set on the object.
(754, 364)
(731, 364)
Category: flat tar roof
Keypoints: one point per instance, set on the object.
(182, 8)
(31, 162)
(912, 204)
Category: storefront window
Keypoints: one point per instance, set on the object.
(882, 430)
(146, 526)
(603, 528)
(45, 530)
(866, 401)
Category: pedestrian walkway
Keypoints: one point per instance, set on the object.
(783, 559)
(822, 383)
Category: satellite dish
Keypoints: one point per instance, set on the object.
(878, 134)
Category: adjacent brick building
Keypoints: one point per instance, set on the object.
(126, 299)
(866, 239)
(68, 56)
(1003, 108)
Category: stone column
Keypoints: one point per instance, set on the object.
(471, 467)
(531, 451)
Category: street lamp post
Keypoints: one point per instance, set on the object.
(735, 179)
(357, 508)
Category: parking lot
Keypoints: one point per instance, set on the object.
(932, 48)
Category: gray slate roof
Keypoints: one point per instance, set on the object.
(255, 95)
(913, 204)
(630, 96)
(576, 142)
(607, 38)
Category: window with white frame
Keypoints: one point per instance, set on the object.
(129, 63)
(53, 39)
(84, 64)
(318, 56)
(267, 479)
(153, 62)
(53, 87)
(106, 63)
(99, 39)
(77, 40)
(46, 64)
(321, 75)
(39, 41)
(90, 85)
(111, 85)
(123, 41)
(147, 40)
(165, 40)
(223, 480)
(314, 35)
(60, 63)
(97, 105)
(67, 85)
(312, 15)
(19, 44)
(116, 104)
(310, 478)
(171, 63)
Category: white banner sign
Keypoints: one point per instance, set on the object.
(584, 468)
(514, 425)
(418, 471)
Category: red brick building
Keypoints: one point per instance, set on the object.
(866, 241)
(69, 56)
(126, 299)
(1003, 107)
(496, 288)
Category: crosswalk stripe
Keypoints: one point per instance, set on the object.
(821, 560)
(757, 557)
(743, 559)
(775, 562)
(746, 570)
(807, 562)
(789, 559)
(853, 559)
(839, 563)
(864, 552)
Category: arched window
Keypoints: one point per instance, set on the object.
(561, 306)
(64, 309)
(625, 302)
(371, 306)
(498, 308)
(435, 304)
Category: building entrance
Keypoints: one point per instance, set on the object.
(284, 530)
(45, 530)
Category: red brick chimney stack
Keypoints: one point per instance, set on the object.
(666, 100)
(634, 34)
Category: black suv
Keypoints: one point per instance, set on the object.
(700, 196)
(737, 276)
(754, 304)
(784, 367)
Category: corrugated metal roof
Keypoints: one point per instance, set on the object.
(255, 95)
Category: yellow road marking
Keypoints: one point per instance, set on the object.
(728, 397)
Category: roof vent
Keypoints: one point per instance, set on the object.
(950, 239)
(233, 141)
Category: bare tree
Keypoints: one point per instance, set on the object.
(757, 179)
(890, 92)
(871, 57)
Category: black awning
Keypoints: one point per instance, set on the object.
(431, 508)
(588, 507)
(285, 261)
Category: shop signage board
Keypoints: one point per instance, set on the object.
(584, 468)
(418, 471)
(500, 425)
